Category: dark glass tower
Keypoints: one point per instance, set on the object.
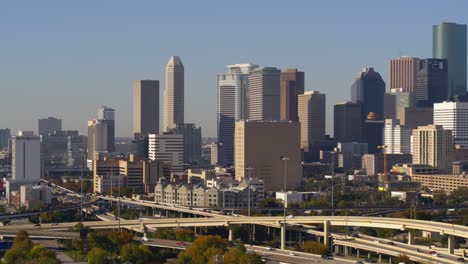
(368, 90)
(432, 80)
(449, 42)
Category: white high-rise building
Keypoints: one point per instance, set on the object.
(397, 138)
(26, 159)
(453, 116)
(232, 105)
(169, 148)
(433, 145)
(173, 94)
(97, 138)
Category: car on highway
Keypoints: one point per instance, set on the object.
(390, 243)
(292, 254)
(269, 248)
(290, 216)
(180, 243)
(145, 239)
(433, 253)
(461, 259)
(369, 260)
(359, 262)
(327, 256)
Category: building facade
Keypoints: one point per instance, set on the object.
(433, 145)
(432, 81)
(254, 149)
(145, 108)
(264, 94)
(5, 136)
(449, 42)
(97, 138)
(347, 122)
(292, 85)
(49, 125)
(173, 94)
(397, 138)
(192, 137)
(368, 90)
(106, 115)
(403, 73)
(311, 111)
(453, 116)
(167, 147)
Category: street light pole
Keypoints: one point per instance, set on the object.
(283, 238)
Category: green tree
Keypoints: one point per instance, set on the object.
(403, 259)
(251, 258)
(133, 253)
(233, 256)
(98, 256)
(203, 250)
(185, 235)
(314, 247)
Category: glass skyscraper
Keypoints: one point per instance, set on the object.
(449, 42)
(368, 90)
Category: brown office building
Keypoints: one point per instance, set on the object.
(145, 107)
(292, 85)
(347, 122)
(311, 111)
(403, 73)
(259, 145)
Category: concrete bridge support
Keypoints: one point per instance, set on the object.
(326, 233)
(451, 244)
(231, 234)
(410, 237)
(283, 236)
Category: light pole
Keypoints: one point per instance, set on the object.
(118, 209)
(81, 181)
(283, 238)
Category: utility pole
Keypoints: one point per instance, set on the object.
(283, 238)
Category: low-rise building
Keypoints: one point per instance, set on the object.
(35, 195)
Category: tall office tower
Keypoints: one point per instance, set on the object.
(26, 159)
(368, 90)
(350, 155)
(232, 105)
(167, 147)
(5, 135)
(373, 132)
(397, 138)
(97, 138)
(145, 108)
(403, 73)
(311, 110)
(173, 94)
(49, 125)
(432, 81)
(106, 115)
(449, 42)
(192, 141)
(417, 116)
(264, 94)
(395, 103)
(452, 116)
(216, 149)
(347, 122)
(55, 147)
(254, 149)
(433, 145)
(292, 85)
(76, 150)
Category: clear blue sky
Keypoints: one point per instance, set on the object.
(67, 58)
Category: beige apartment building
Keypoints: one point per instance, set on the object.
(433, 145)
(259, 145)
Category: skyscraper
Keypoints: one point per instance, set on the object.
(173, 94)
(395, 103)
(4, 137)
(232, 105)
(264, 94)
(167, 147)
(97, 138)
(452, 116)
(106, 115)
(449, 42)
(403, 73)
(292, 85)
(368, 90)
(192, 141)
(145, 108)
(432, 81)
(397, 138)
(260, 146)
(433, 145)
(311, 110)
(26, 159)
(347, 122)
(49, 125)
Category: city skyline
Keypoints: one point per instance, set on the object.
(68, 72)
